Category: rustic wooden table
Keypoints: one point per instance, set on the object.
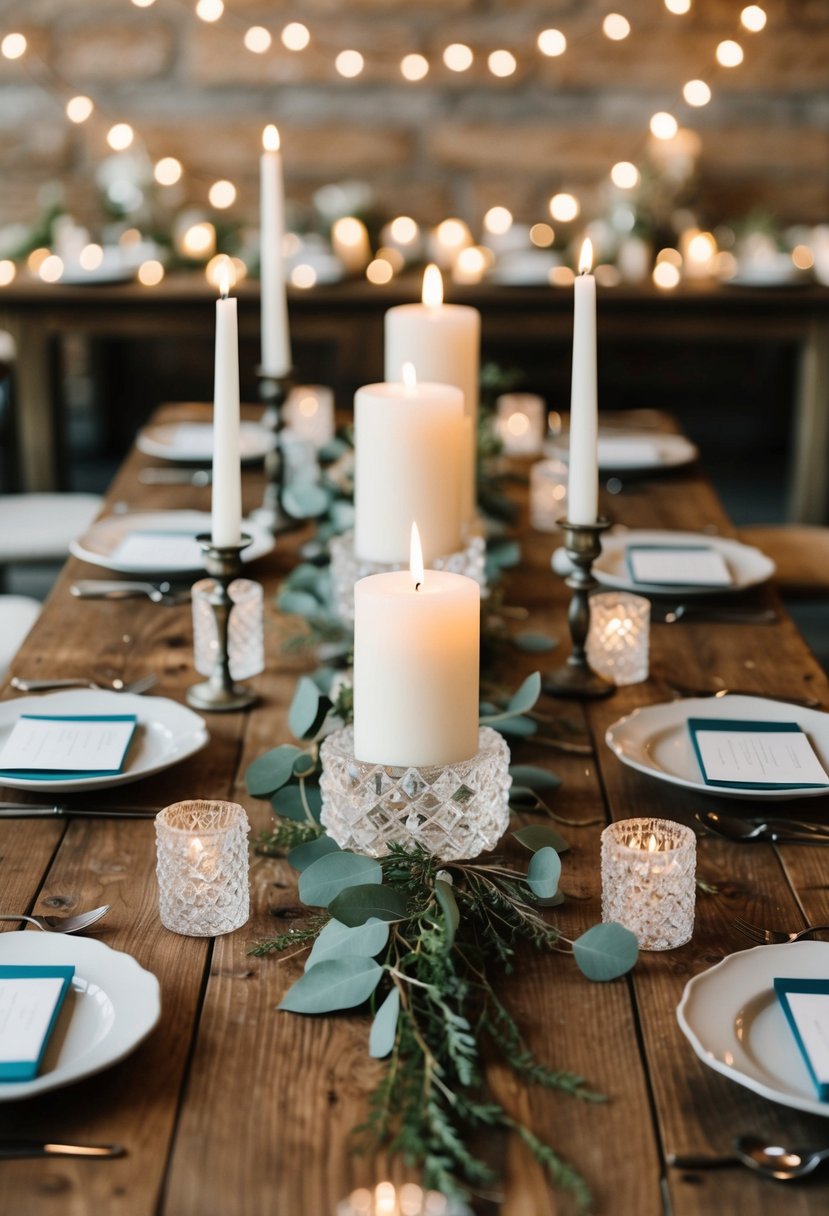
(233, 1109)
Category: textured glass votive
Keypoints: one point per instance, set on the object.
(246, 642)
(649, 880)
(454, 811)
(202, 867)
(386, 1199)
(309, 412)
(521, 423)
(548, 494)
(347, 568)
(619, 638)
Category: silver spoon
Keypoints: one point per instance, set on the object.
(744, 831)
(62, 924)
(777, 1161)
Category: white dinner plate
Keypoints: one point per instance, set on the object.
(748, 566)
(112, 1005)
(733, 1020)
(655, 740)
(192, 442)
(633, 451)
(165, 733)
(102, 543)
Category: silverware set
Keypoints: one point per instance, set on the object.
(124, 589)
(774, 1161)
(142, 684)
(775, 937)
(763, 829)
(61, 924)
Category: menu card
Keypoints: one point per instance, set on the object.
(806, 1006)
(737, 754)
(627, 452)
(159, 551)
(30, 1000)
(50, 746)
(678, 565)
(193, 438)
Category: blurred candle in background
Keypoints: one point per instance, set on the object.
(276, 342)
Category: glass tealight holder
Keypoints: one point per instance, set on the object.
(309, 412)
(521, 422)
(386, 1199)
(246, 642)
(548, 494)
(618, 642)
(202, 867)
(649, 880)
(453, 811)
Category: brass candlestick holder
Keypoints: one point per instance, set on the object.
(273, 391)
(219, 694)
(577, 678)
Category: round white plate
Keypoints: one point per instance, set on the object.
(748, 566)
(734, 1022)
(113, 1004)
(637, 451)
(655, 740)
(101, 544)
(165, 733)
(192, 442)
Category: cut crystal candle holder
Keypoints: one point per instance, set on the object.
(521, 420)
(202, 867)
(649, 880)
(347, 568)
(386, 1199)
(454, 811)
(618, 640)
(246, 643)
(548, 494)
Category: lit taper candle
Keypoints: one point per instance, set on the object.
(276, 342)
(227, 472)
(583, 488)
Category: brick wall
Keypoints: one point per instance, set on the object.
(454, 143)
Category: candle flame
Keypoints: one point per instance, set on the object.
(416, 559)
(409, 376)
(270, 138)
(432, 295)
(652, 845)
(224, 277)
(586, 257)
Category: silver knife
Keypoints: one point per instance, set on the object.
(123, 589)
(48, 1148)
(32, 810)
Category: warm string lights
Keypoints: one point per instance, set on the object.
(454, 244)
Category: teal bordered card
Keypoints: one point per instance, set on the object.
(806, 1006)
(28, 1013)
(732, 725)
(45, 773)
(679, 580)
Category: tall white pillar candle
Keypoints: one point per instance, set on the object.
(443, 341)
(407, 441)
(416, 677)
(227, 470)
(583, 489)
(276, 342)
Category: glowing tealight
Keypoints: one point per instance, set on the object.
(349, 230)
(209, 10)
(51, 268)
(258, 40)
(729, 53)
(678, 7)
(564, 207)
(129, 237)
(349, 64)
(90, 257)
(13, 46)
(79, 108)
(222, 194)
(8, 270)
(393, 256)
(552, 43)
(498, 220)
(696, 93)
(502, 63)
(120, 136)
(143, 3)
(471, 264)
(379, 272)
(702, 247)
(542, 235)
(36, 259)
(753, 18)
(453, 233)
(672, 256)
(168, 171)
(199, 240)
(404, 230)
(803, 257)
(625, 175)
(663, 125)
(666, 275)
(303, 276)
(561, 276)
(615, 27)
(414, 67)
(458, 57)
(150, 273)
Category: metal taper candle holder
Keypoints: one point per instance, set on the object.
(220, 694)
(273, 391)
(577, 678)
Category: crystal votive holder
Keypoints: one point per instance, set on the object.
(649, 880)
(309, 412)
(521, 420)
(347, 568)
(246, 642)
(454, 811)
(386, 1199)
(202, 867)
(618, 641)
(548, 494)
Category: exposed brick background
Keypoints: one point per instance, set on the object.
(454, 143)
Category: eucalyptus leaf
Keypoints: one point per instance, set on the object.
(535, 643)
(303, 577)
(519, 727)
(288, 802)
(538, 836)
(325, 878)
(503, 554)
(337, 940)
(356, 904)
(271, 771)
(384, 1027)
(338, 983)
(536, 779)
(308, 709)
(305, 764)
(529, 692)
(449, 907)
(332, 450)
(305, 499)
(342, 513)
(544, 872)
(606, 951)
(304, 855)
(301, 603)
(323, 677)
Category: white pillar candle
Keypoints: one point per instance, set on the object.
(276, 342)
(227, 468)
(416, 655)
(443, 341)
(583, 493)
(407, 440)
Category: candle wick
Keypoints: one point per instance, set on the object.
(418, 586)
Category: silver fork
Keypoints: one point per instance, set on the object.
(774, 937)
(62, 924)
(134, 686)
